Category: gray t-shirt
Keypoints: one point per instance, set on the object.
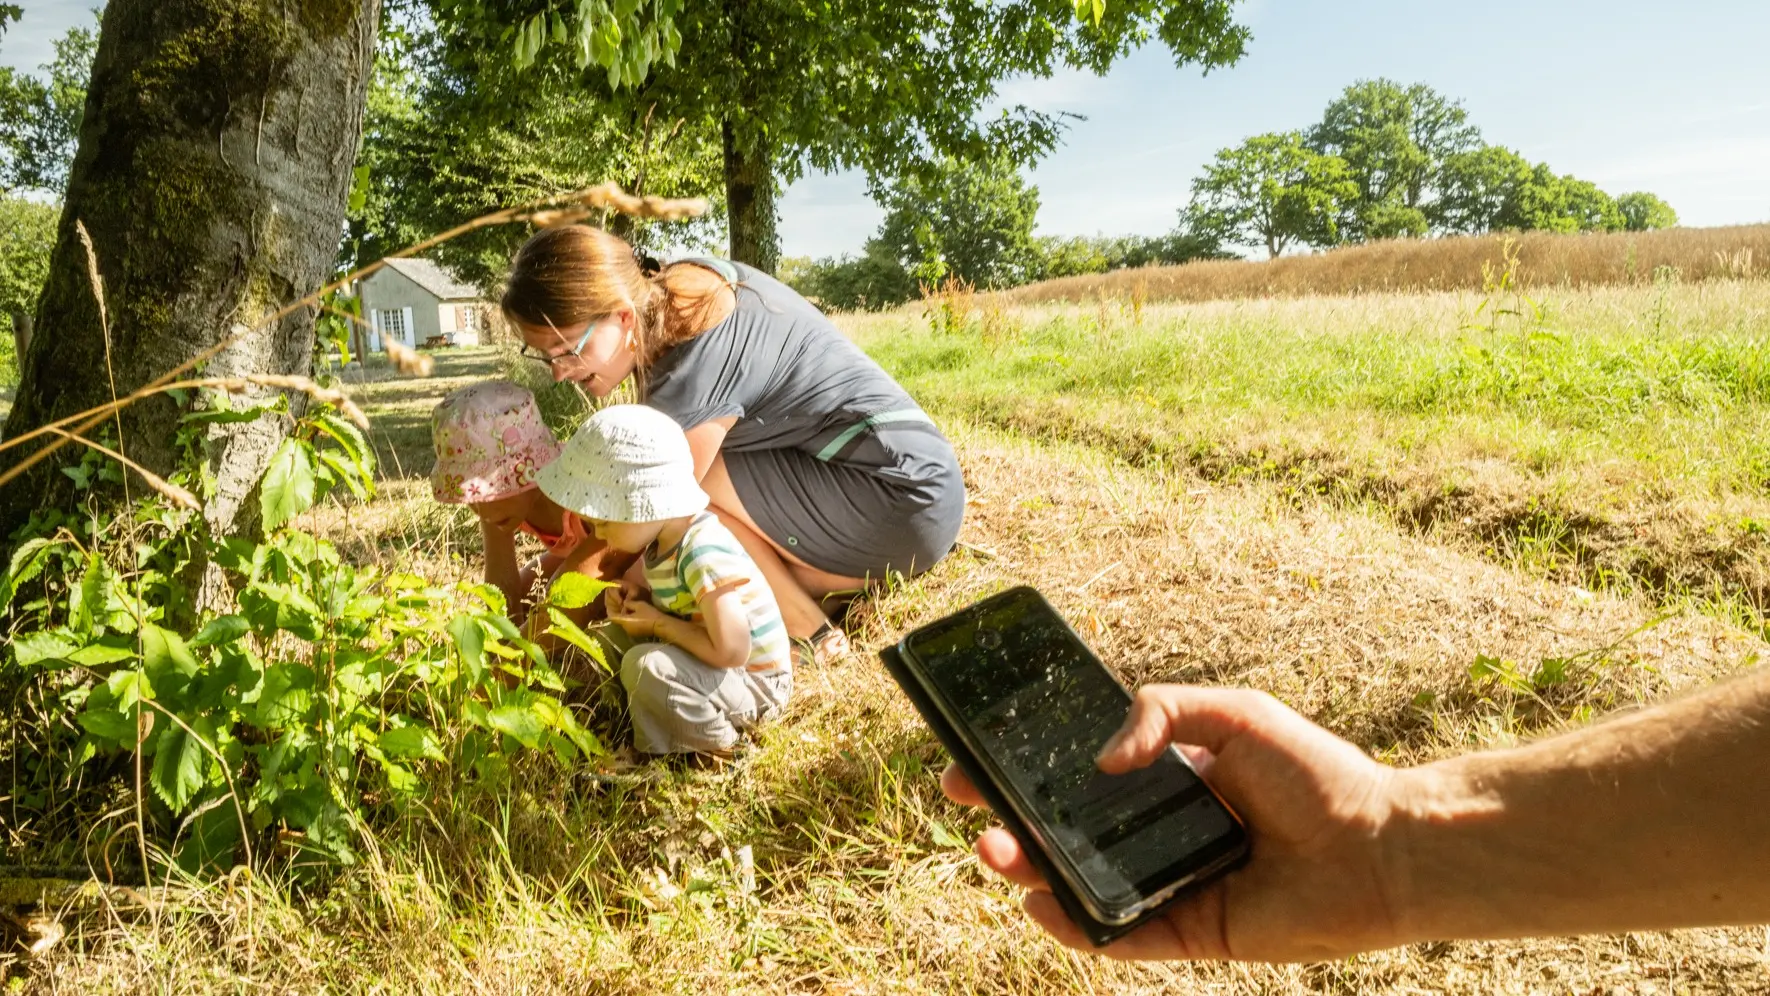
(794, 381)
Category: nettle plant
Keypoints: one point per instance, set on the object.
(323, 695)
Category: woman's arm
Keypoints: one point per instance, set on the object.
(704, 441)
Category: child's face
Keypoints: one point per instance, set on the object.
(506, 514)
(627, 537)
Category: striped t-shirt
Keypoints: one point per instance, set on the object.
(709, 557)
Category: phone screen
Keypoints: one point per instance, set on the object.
(1039, 706)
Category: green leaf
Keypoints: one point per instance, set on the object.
(211, 840)
(221, 630)
(286, 696)
(34, 648)
(342, 468)
(416, 740)
(944, 837)
(127, 688)
(359, 193)
(470, 640)
(27, 562)
(518, 722)
(572, 590)
(93, 595)
(180, 763)
(164, 652)
(109, 723)
(109, 651)
(572, 633)
(287, 490)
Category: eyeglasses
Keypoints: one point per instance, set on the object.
(577, 350)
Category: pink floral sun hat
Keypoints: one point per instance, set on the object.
(490, 441)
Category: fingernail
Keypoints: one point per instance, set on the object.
(1112, 744)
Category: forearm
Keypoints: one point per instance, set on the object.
(1656, 819)
(692, 637)
(502, 570)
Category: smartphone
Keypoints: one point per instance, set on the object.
(1025, 707)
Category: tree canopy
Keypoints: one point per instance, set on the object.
(889, 88)
(1274, 191)
(970, 221)
(1388, 160)
(40, 115)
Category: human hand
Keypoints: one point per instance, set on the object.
(637, 616)
(1318, 882)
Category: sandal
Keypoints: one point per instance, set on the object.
(822, 647)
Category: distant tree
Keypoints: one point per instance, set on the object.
(9, 13)
(1482, 189)
(873, 280)
(1588, 208)
(451, 133)
(1074, 256)
(27, 237)
(1395, 141)
(1643, 212)
(970, 220)
(1273, 191)
(886, 87)
(1078, 255)
(40, 116)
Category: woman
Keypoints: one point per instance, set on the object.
(831, 477)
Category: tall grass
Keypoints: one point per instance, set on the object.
(1611, 436)
(1547, 260)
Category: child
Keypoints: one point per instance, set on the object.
(490, 442)
(712, 656)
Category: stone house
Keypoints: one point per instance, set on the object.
(418, 303)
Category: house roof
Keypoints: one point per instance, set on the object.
(435, 279)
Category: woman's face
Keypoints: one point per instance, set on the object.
(597, 354)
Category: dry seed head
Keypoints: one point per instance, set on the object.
(409, 361)
(612, 197)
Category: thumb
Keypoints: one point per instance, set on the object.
(1168, 714)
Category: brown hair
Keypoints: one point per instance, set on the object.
(571, 274)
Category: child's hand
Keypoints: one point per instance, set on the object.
(639, 618)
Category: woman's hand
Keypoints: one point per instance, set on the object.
(1317, 884)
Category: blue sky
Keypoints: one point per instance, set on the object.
(1631, 95)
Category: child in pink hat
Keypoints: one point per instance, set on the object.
(490, 442)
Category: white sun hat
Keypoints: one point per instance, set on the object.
(626, 463)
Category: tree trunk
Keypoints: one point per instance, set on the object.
(214, 166)
(749, 202)
(21, 335)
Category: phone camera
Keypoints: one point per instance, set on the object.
(989, 639)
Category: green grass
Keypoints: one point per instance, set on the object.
(1218, 494)
(1619, 434)
(1673, 380)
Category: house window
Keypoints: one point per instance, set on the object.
(393, 323)
(467, 318)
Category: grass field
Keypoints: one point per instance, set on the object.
(1545, 260)
(1343, 501)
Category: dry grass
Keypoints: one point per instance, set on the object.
(1547, 260)
(587, 886)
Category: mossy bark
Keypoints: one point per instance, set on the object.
(213, 172)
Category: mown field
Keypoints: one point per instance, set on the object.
(1428, 524)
